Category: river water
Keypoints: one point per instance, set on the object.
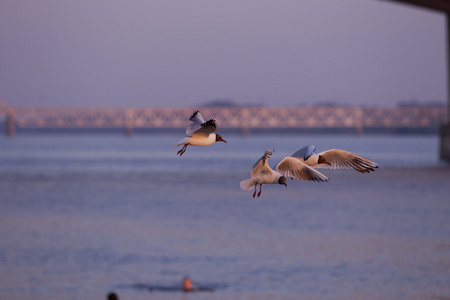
(85, 214)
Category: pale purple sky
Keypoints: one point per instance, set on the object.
(184, 53)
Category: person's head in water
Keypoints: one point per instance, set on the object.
(112, 296)
(187, 284)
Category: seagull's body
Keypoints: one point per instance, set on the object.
(198, 140)
(199, 133)
(334, 159)
(262, 173)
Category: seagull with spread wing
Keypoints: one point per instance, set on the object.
(199, 133)
(334, 159)
(262, 173)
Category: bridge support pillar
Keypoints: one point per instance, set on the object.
(445, 128)
(10, 126)
(445, 142)
(245, 131)
(129, 115)
(128, 130)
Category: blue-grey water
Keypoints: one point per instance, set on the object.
(82, 215)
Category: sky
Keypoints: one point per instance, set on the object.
(173, 53)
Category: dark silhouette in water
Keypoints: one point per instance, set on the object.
(112, 296)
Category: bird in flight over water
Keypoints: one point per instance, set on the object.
(199, 133)
(262, 173)
(334, 159)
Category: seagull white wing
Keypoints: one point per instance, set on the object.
(197, 117)
(305, 152)
(262, 163)
(294, 168)
(197, 120)
(340, 159)
(205, 129)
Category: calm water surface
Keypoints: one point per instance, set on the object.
(82, 215)
(143, 153)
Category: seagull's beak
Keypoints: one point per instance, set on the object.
(285, 185)
(220, 139)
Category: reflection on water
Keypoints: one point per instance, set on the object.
(84, 215)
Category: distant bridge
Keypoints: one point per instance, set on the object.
(244, 118)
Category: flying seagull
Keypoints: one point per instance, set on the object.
(262, 173)
(334, 159)
(199, 133)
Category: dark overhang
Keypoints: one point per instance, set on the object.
(437, 5)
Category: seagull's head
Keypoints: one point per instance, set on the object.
(220, 139)
(282, 180)
(322, 160)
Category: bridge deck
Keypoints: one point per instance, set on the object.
(230, 117)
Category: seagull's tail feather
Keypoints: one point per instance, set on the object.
(247, 184)
(182, 142)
